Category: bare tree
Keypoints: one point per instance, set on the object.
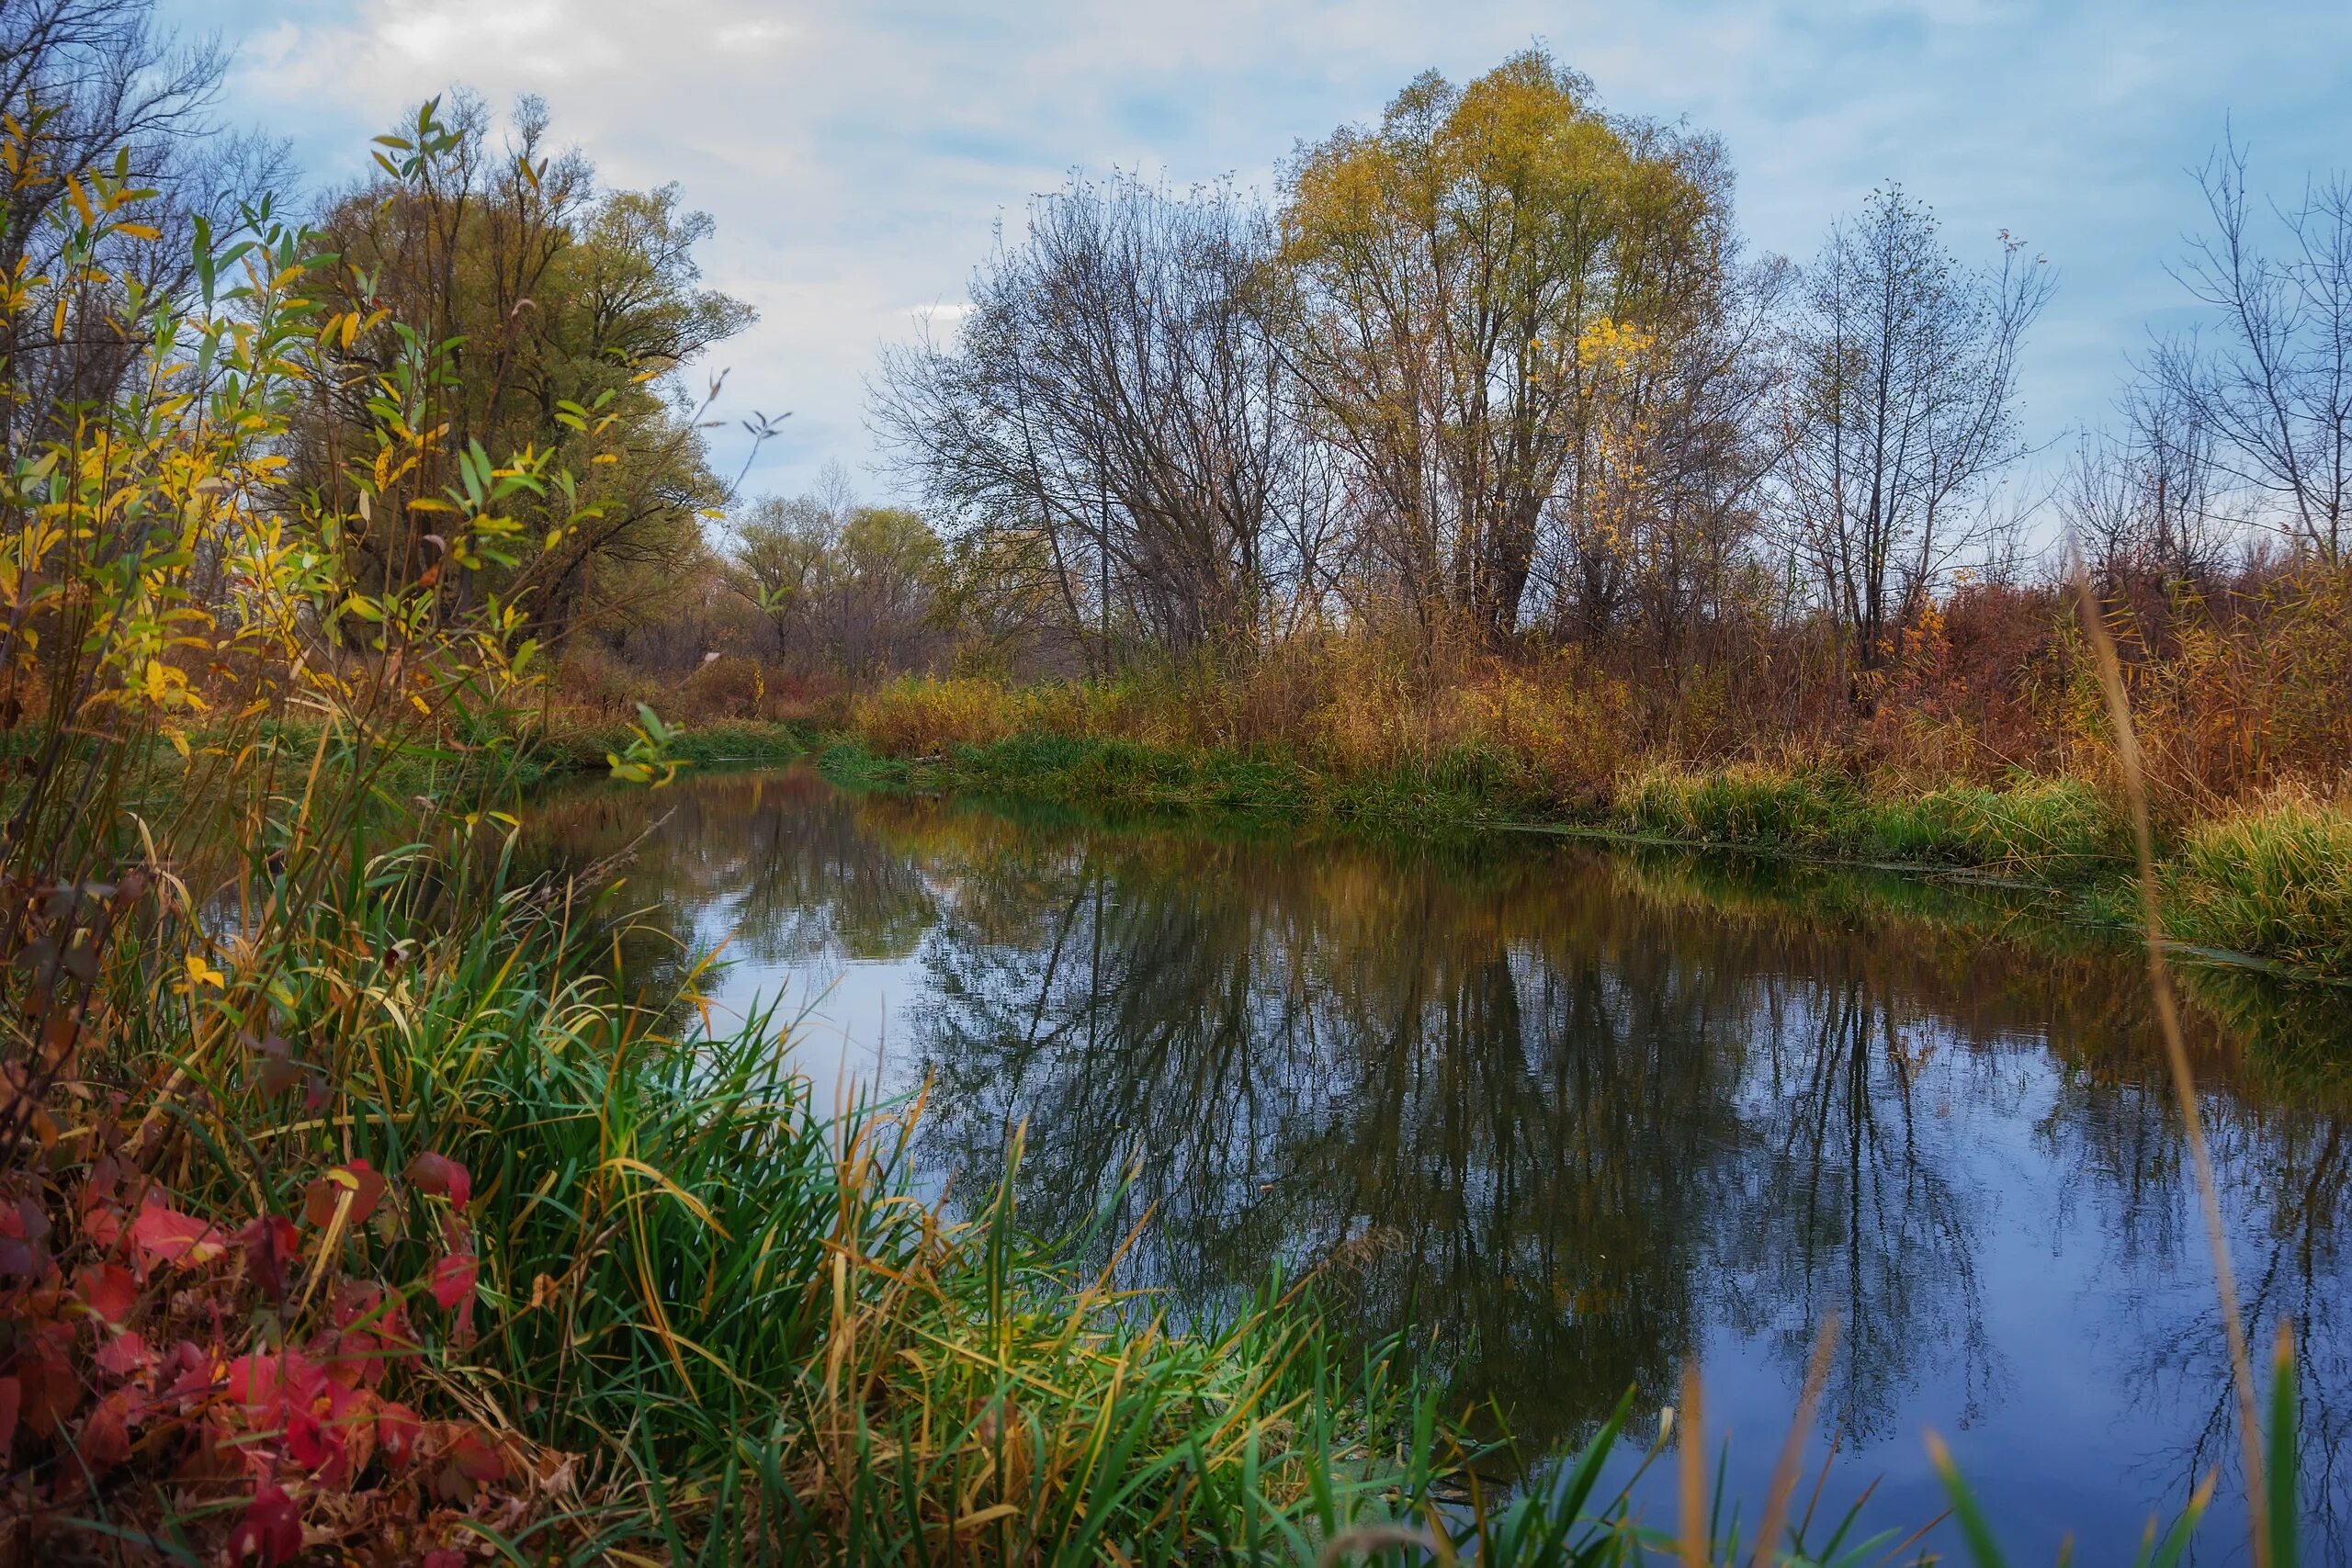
(2272, 379)
(1113, 413)
(1653, 538)
(2140, 503)
(1903, 408)
(854, 587)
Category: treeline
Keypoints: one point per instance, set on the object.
(1491, 391)
(1502, 366)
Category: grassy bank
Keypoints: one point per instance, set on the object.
(504, 1263)
(597, 1288)
(2270, 882)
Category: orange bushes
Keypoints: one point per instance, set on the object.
(2240, 689)
(2244, 689)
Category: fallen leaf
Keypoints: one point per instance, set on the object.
(162, 1234)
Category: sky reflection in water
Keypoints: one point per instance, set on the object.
(1572, 1111)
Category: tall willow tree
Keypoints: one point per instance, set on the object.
(1472, 281)
(566, 312)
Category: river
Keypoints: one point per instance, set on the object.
(1571, 1112)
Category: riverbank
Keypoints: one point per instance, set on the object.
(2269, 886)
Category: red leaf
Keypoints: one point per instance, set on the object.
(105, 1436)
(11, 1396)
(308, 1443)
(444, 1557)
(474, 1460)
(441, 1177)
(187, 1372)
(477, 1457)
(270, 1242)
(124, 1356)
(453, 1287)
(360, 1178)
(453, 1279)
(109, 1290)
(162, 1234)
(271, 1529)
(269, 1387)
(102, 1223)
(397, 1428)
(50, 1390)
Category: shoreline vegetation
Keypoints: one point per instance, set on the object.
(2268, 888)
(350, 1212)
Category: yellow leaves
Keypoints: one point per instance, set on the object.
(81, 201)
(201, 974)
(1615, 345)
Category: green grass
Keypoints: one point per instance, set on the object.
(2274, 884)
(751, 1340)
(1459, 790)
(724, 743)
(758, 1346)
(2055, 830)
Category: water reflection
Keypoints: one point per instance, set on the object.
(1569, 1113)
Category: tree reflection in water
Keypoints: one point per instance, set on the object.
(1568, 1113)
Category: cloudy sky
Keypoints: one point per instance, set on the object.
(856, 154)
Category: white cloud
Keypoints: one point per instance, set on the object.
(857, 155)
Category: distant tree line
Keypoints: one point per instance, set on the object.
(1500, 368)
(1497, 371)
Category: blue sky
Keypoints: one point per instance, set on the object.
(856, 155)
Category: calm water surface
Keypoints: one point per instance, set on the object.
(1572, 1113)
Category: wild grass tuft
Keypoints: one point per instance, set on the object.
(2276, 883)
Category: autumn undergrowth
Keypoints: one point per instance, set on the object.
(2262, 881)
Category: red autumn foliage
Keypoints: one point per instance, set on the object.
(270, 1530)
(270, 1242)
(162, 1234)
(109, 1290)
(256, 1392)
(441, 1177)
(124, 1356)
(364, 1184)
